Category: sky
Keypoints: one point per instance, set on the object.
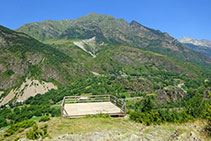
(179, 18)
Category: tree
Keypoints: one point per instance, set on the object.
(208, 117)
(34, 133)
(195, 106)
(147, 105)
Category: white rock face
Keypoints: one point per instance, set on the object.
(9, 97)
(27, 89)
(88, 44)
(202, 42)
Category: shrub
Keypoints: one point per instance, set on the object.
(17, 138)
(208, 117)
(160, 116)
(36, 133)
(44, 119)
(3, 122)
(20, 126)
(146, 118)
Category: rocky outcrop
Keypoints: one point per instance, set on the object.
(27, 89)
(170, 94)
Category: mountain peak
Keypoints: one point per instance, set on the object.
(96, 17)
(111, 31)
(93, 14)
(203, 46)
(196, 42)
(135, 23)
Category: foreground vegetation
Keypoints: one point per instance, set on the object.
(104, 127)
(146, 110)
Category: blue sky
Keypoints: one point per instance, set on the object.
(191, 18)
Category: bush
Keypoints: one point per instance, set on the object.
(44, 119)
(146, 118)
(195, 106)
(18, 127)
(35, 133)
(208, 117)
(17, 138)
(3, 122)
(145, 105)
(160, 116)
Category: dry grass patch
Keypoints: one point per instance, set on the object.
(58, 126)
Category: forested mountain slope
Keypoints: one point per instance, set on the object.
(22, 56)
(108, 30)
(61, 62)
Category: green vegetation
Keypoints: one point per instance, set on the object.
(22, 56)
(190, 109)
(157, 88)
(119, 32)
(208, 117)
(36, 133)
(44, 119)
(9, 116)
(18, 127)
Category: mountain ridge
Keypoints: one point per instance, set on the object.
(22, 56)
(61, 61)
(202, 42)
(202, 46)
(96, 46)
(114, 31)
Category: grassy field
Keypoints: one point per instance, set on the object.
(115, 128)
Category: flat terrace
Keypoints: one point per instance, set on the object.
(79, 106)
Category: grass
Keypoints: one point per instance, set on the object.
(58, 127)
(87, 124)
(34, 118)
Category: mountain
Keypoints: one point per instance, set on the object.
(202, 42)
(203, 46)
(27, 63)
(24, 59)
(108, 30)
(138, 59)
(159, 79)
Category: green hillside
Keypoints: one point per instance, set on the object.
(161, 81)
(112, 31)
(22, 56)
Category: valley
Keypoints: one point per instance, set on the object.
(166, 85)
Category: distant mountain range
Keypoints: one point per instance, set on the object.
(108, 30)
(203, 46)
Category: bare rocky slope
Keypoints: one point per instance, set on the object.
(27, 89)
